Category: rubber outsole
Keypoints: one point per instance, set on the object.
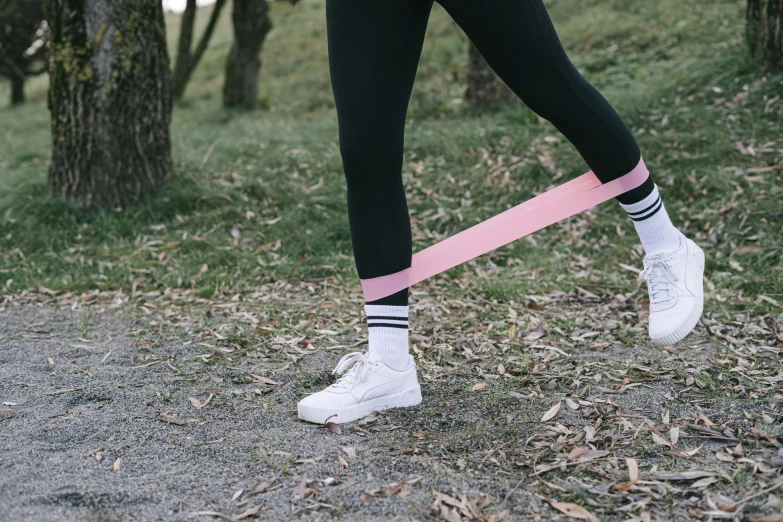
(411, 397)
(693, 318)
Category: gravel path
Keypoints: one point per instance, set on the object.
(110, 417)
(83, 440)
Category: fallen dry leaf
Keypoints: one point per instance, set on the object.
(449, 515)
(703, 483)
(573, 511)
(264, 379)
(262, 487)
(678, 475)
(660, 440)
(551, 413)
(198, 404)
(170, 419)
(537, 333)
(633, 469)
(300, 490)
(211, 514)
(498, 517)
(584, 454)
(633, 476)
(66, 390)
(248, 513)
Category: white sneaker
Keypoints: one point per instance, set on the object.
(367, 385)
(674, 281)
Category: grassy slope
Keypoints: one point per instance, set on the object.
(704, 118)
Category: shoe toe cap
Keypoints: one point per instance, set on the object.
(326, 399)
(668, 322)
(663, 328)
(309, 401)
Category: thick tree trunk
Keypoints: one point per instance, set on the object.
(110, 100)
(186, 61)
(17, 90)
(484, 86)
(765, 32)
(251, 25)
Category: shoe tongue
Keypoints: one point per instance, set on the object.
(667, 253)
(374, 357)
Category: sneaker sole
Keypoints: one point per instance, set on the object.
(693, 318)
(411, 397)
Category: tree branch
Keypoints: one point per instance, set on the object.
(202, 44)
(186, 33)
(19, 73)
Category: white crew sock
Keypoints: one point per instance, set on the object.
(653, 225)
(388, 327)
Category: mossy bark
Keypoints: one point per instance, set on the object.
(484, 86)
(765, 32)
(251, 25)
(110, 100)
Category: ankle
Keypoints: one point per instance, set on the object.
(388, 334)
(652, 223)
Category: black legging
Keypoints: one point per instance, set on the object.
(374, 50)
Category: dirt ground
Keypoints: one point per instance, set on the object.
(139, 413)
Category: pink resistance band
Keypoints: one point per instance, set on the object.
(543, 210)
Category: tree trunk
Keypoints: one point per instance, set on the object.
(110, 100)
(251, 25)
(17, 90)
(186, 61)
(765, 32)
(484, 86)
(182, 67)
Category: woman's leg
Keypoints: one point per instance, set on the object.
(374, 50)
(518, 40)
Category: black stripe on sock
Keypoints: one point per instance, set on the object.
(645, 210)
(387, 317)
(648, 216)
(388, 325)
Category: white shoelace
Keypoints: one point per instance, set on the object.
(660, 277)
(355, 367)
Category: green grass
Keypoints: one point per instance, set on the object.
(258, 196)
